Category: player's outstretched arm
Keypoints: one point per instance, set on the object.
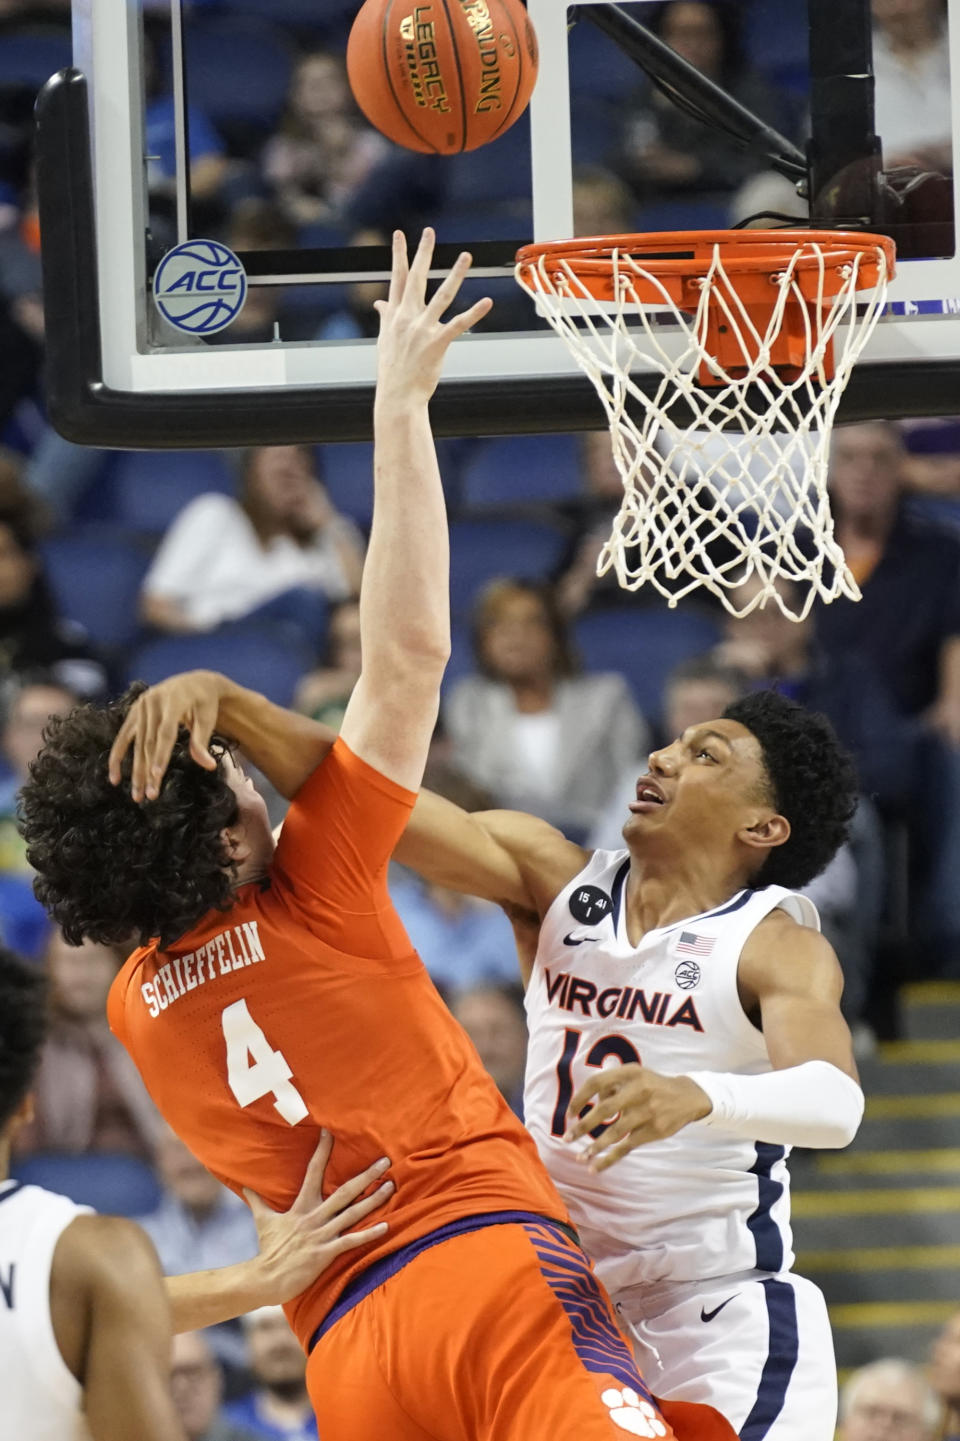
(296, 1246)
(405, 593)
(111, 1321)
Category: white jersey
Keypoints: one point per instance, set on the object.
(700, 1203)
(39, 1398)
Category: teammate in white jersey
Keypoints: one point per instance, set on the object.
(85, 1314)
(686, 949)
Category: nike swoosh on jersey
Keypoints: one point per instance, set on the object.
(571, 940)
(709, 1315)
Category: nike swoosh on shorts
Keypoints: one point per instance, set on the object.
(709, 1315)
(571, 940)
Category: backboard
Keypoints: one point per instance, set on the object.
(119, 375)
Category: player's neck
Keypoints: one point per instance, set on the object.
(659, 895)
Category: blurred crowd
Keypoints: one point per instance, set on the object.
(118, 566)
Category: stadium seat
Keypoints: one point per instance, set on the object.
(264, 657)
(523, 470)
(598, 66)
(500, 169)
(347, 472)
(117, 1185)
(96, 581)
(483, 549)
(30, 54)
(149, 488)
(239, 72)
(644, 643)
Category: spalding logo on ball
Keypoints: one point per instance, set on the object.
(445, 75)
(200, 286)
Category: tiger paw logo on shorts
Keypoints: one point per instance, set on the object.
(632, 1414)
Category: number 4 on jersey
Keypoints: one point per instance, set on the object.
(254, 1070)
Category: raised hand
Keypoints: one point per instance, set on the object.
(152, 724)
(413, 336)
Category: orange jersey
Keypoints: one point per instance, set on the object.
(304, 1005)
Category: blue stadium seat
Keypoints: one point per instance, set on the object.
(500, 170)
(598, 66)
(96, 581)
(776, 41)
(116, 1185)
(523, 470)
(264, 657)
(29, 56)
(644, 643)
(239, 71)
(148, 488)
(347, 471)
(483, 549)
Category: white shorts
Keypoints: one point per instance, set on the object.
(757, 1347)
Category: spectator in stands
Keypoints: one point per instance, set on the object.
(356, 319)
(944, 1375)
(33, 636)
(602, 203)
(665, 153)
(196, 1384)
(527, 728)
(21, 307)
(912, 69)
(278, 1408)
(208, 161)
(258, 224)
(578, 586)
(323, 694)
(888, 1400)
(493, 1018)
(198, 1226)
(89, 1097)
(462, 941)
(931, 469)
(278, 553)
(27, 708)
(324, 150)
(907, 626)
(770, 649)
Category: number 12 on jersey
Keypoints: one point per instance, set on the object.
(254, 1069)
(597, 1054)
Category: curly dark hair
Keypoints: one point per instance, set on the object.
(111, 870)
(813, 783)
(23, 1027)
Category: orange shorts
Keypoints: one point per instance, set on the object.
(500, 1332)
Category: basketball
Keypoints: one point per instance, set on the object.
(443, 76)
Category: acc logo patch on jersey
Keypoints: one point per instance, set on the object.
(589, 905)
(200, 286)
(687, 975)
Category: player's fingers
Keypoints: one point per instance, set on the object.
(121, 745)
(258, 1206)
(616, 1129)
(346, 1194)
(161, 749)
(597, 1088)
(359, 1238)
(352, 1214)
(416, 287)
(398, 271)
(201, 729)
(141, 742)
(460, 324)
(622, 1148)
(446, 291)
(311, 1188)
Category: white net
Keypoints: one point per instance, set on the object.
(739, 488)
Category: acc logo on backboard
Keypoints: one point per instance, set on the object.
(200, 286)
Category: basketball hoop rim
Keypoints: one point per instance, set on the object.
(741, 252)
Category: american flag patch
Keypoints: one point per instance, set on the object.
(693, 945)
